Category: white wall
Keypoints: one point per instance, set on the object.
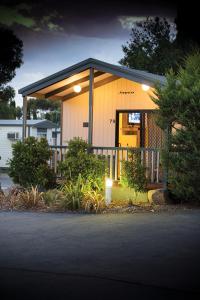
(107, 99)
(6, 144)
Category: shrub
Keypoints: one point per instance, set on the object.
(53, 197)
(133, 173)
(29, 165)
(78, 160)
(178, 114)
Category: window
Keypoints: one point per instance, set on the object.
(134, 118)
(42, 132)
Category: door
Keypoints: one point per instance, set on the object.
(129, 129)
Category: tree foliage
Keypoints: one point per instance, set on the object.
(152, 47)
(7, 103)
(10, 55)
(179, 113)
(48, 109)
(10, 59)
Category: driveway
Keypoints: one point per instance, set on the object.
(73, 256)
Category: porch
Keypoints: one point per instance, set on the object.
(150, 159)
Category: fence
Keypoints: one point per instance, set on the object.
(150, 159)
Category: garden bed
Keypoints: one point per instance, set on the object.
(12, 202)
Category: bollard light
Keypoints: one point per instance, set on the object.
(108, 191)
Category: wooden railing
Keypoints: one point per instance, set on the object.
(150, 159)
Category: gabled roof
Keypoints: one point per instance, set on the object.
(119, 71)
(30, 123)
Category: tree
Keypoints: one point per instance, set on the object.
(152, 47)
(179, 113)
(7, 103)
(10, 55)
(18, 112)
(49, 110)
(10, 59)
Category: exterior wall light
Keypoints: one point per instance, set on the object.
(108, 191)
(77, 88)
(145, 87)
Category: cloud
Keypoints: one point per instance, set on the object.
(21, 15)
(128, 22)
(10, 16)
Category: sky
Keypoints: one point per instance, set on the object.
(57, 34)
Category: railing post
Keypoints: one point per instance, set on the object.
(116, 163)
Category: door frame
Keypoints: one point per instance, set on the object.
(142, 123)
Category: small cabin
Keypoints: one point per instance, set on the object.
(109, 106)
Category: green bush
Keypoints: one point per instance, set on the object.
(53, 197)
(178, 114)
(29, 164)
(78, 160)
(133, 173)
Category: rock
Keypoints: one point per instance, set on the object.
(158, 196)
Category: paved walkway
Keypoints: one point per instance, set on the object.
(72, 256)
(5, 181)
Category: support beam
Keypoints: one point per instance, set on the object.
(61, 123)
(86, 89)
(24, 117)
(70, 85)
(91, 96)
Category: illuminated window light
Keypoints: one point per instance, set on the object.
(77, 88)
(145, 87)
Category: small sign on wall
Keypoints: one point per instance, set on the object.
(126, 92)
(85, 124)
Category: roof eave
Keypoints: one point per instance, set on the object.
(82, 66)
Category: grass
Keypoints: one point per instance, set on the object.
(124, 195)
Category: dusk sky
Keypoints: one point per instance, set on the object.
(57, 34)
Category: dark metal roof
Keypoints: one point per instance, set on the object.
(30, 123)
(124, 72)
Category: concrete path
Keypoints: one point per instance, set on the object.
(72, 256)
(5, 181)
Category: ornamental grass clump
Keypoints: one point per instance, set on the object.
(73, 194)
(30, 199)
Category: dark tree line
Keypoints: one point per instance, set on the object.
(11, 54)
(154, 47)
